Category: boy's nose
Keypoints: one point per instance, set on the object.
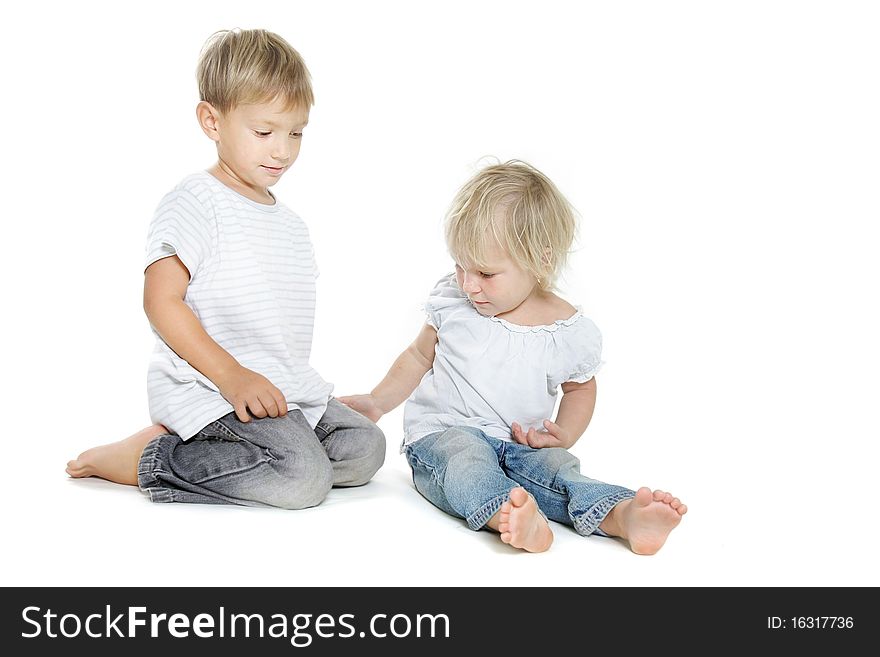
(281, 151)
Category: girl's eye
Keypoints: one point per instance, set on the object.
(262, 134)
(296, 135)
(485, 275)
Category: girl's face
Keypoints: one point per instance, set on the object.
(499, 287)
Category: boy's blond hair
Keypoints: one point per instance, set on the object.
(519, 207)
(252, 66)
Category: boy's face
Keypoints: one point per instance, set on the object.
(499, 287)
(257, 143)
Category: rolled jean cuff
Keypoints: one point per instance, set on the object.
(150, 466)
(588, 523)
(482, 515)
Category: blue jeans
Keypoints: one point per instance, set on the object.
(279, 462)
(470, 475)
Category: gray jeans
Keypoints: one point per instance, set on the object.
(278, 462)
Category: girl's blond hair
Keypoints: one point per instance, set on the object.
(252, 66)
(518, 207)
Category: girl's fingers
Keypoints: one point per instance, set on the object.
(515, 433)
(532, 438)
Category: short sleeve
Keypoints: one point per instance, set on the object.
(314, 262)
(181, 226)
(579, 353)
(445, 296)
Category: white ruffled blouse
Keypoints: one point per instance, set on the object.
(489, 373)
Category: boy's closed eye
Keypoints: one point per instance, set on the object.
(266, 133)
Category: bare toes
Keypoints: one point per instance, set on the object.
(643, 497)
(75, 469)
(518, 497)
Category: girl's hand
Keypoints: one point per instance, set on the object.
(364, 404)
(552, 436)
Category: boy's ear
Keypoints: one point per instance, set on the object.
(208, 117)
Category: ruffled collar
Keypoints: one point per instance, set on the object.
(549, 328)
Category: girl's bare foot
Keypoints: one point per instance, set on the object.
(645, 520)
(521, 525)
(116, 461)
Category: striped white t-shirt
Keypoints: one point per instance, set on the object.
(252, 286)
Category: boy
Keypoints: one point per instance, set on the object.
(229, 289)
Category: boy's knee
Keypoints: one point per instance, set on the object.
(307, 488)
(373, 442)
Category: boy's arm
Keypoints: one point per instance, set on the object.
(575, 413)
(165, 283)
(403, 377)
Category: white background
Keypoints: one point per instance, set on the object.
(724, 160)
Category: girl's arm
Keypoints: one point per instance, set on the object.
(403, 377)
(575, 413)
(165, 284)
(576, 409)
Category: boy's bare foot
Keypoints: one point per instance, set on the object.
(116, 461)
(521, 525)
(645, 520)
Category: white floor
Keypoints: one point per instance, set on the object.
(69, 532)
(94, 532)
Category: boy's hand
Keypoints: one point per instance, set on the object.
(364, 404)
(247, 391)
(553, 436)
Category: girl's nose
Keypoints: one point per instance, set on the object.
(469, 285)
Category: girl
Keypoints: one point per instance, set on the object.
(482, 377)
